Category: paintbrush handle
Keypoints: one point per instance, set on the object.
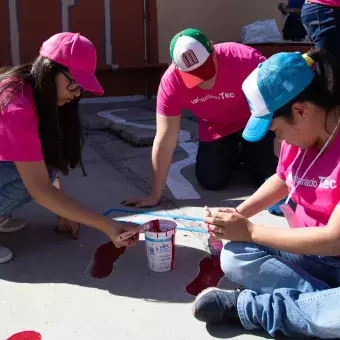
(193, 230)
(128, 234)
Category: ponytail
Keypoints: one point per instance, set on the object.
(324, 90)
(328, 72)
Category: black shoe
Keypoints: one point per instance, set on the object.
(214, 305)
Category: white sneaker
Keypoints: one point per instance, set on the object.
(5, 255)
(9, 224)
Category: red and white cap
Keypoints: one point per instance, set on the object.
(191, 52)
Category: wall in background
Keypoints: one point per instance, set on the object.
(131, 36)
(124, 40)
(221, 20)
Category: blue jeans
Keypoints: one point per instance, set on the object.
(285, 293)
(323, 25)
(13, 193)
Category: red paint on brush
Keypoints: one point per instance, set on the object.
(103, 260)
(26, 335)
(209, 275)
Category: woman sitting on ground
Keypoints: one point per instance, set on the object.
(288, 275)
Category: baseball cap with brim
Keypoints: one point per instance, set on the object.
(200, 75)
(191, 52)
(78, 54)
(87, 81)
(272, 85)
(257, 128)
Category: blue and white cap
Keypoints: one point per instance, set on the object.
(273, 84)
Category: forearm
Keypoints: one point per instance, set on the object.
(271, 192)
(56, 201)
(304, 241)
(161, 160)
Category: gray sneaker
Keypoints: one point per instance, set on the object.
(9, 224)
(215, 305)
(5, 255)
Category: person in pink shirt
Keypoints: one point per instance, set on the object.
(289, 277)
(207, 79)
(321, 19)
(40, 134)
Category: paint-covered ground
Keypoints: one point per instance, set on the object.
(45, 287)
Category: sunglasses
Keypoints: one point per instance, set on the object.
(73, 86)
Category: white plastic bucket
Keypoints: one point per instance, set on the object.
(160, 246)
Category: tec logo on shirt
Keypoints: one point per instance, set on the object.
(220, 96)
(319, 182)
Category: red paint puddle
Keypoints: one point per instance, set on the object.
(209, 275)
(103, 260)
(26, 335)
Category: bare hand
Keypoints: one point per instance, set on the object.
(118, 228)
(142, 202)
(66, 226)
(228, 224)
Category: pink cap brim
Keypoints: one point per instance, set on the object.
(87, 81)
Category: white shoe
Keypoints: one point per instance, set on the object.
(9, 224)
(5, 255)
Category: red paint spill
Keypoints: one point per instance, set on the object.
(103, 260)
(209, 275)
(26, 335)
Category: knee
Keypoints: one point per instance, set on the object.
(236, 261)
(230, 263)
(212, 181)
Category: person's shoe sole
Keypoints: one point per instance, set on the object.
(13, 230)
(6, 259)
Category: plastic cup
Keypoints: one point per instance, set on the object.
(160, 246)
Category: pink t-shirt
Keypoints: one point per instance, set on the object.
(332, 3)
(221, 110)
(319, 192)
(19, 137)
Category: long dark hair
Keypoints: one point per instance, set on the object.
(323, 91)
(59, 127)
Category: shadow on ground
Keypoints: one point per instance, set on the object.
(42, 256)
(221, 331)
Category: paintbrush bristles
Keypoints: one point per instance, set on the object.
(207, 212)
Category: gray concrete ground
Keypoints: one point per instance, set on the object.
(45, 287)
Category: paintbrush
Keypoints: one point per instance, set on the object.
(150, 213)
(145, 227)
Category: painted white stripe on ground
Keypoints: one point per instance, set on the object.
(180, 187)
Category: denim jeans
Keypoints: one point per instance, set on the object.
(285, 293)
(13, 193)
(323, 25)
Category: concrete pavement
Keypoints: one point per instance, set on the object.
(45, 287)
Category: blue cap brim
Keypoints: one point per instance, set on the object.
(257, 128)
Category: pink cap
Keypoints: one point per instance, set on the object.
(78, 54)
